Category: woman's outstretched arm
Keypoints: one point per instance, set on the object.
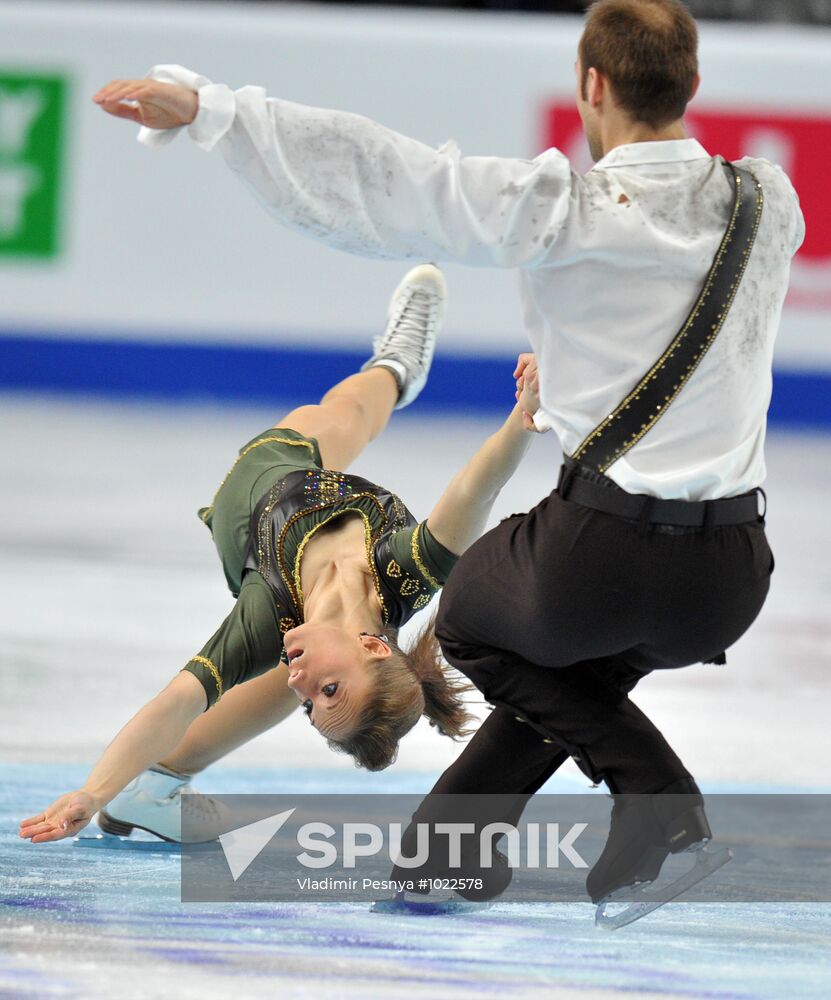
(246, 645)
(151, 734)
(459, 517)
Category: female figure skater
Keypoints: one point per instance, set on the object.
(325, 568)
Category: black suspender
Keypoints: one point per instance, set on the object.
(654, 393)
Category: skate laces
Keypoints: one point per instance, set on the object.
(408, 324)
(202, 806)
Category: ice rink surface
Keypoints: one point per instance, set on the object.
(109, 582)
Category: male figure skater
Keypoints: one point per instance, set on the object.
(653, 287)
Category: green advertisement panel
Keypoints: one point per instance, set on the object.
(32, 108)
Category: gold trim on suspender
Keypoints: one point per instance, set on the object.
(682, 334)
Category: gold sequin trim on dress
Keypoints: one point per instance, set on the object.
(271, 439)
(400, 515)
(292, 578)
(214, 672)
(327, 486)
(416, 553)
(264, 530)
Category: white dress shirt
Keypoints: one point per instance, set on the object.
(610, 262)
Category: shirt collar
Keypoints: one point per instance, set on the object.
(669, 151)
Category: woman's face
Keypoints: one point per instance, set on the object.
(329, 671)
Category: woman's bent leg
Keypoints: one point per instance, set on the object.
(243, 713)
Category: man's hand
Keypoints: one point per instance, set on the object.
(527, 389)
(64, 818)
(148, 102)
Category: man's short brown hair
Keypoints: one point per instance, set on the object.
(648, 51)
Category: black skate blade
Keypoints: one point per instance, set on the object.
(401, 904)
(648, 899)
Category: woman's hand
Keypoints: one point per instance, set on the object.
(154, 104)
(64, 818)
(522, 362)
(527, 389)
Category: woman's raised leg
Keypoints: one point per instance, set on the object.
(357, 409)
(349, 416)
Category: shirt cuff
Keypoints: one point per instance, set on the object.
(217, 108)
(543, 421)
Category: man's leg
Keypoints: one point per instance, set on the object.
(582, 709)
(545, 611)
(554, 614)
(492, 780)
(541, 614)
(501, 758)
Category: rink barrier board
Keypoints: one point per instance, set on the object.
(141, 241)
(190, 372)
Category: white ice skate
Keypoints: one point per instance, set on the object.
(406, 346)
(154, 802)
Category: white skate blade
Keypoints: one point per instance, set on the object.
(646, 900)
(401, 904)
(109, 842)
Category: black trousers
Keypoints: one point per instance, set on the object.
(556, 614)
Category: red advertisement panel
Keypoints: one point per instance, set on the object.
(800, 143)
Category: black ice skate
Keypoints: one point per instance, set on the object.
(440, 905)
(645, 830)
(446, 891)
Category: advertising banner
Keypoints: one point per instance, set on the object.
(108, 249)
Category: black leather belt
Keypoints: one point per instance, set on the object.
(611, 499)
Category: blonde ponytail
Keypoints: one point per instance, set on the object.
(441, 686)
